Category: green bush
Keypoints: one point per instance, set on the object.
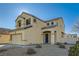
(57, 43)
(31, 51)
(77, 42)
(3, 50)
(65, 43)
(74, 51)
(38, 46)
(62, 46)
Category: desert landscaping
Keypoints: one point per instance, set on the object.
(34, 50)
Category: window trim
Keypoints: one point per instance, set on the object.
(52, 23)
(19, 23)
(34, 20)
(28, 21)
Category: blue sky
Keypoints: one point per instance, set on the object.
(69, 12)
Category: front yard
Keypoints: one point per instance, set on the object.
(46, 50)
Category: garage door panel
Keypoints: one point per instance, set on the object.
(16, 39)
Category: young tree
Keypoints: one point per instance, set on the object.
(76, 27)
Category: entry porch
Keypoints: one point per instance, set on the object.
(49, 36)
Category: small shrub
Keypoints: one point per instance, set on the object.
(31, 51)
(77, 42)
(58, 43)
(71, 51)
(38, 46)
(65, 43)
(74, 51)
(3, 50)
(61, 46)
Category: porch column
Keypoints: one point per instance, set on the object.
(52, 37)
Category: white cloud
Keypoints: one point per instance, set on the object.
(20, 10)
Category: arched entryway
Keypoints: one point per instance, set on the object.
(47, 37)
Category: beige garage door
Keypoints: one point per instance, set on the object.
(16, 38)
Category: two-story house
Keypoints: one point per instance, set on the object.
(32, 30)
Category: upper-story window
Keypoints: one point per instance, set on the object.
(34, 20)
(52, 23)
(19, 23)
(23, 17)
(28, 21)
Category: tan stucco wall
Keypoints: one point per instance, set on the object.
(31, 35)
(4, 38)
(58, 29)
(38, 30)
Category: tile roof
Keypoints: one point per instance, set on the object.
(38, 18)
(48, 27)
(21, 28)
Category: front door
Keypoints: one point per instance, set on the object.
(46, 38)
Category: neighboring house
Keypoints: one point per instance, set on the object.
(70, 38)
(78, 38)
(32, 30)
(4, 35)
